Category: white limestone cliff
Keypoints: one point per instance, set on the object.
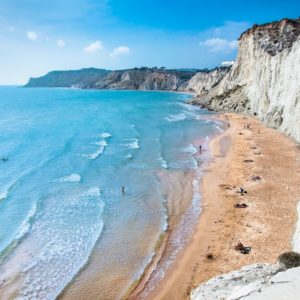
(265, 78)
(202, 82)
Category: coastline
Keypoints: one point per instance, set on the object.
(221, 226)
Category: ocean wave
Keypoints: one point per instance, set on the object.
(176, 118)
(104, 135)
(71, 178)
(92, 192)
(129, 156)
(163, 163)
(189, 106)
(3, 195)
(196, 193)
(26, 224)
(194, 163)
(96, 154)
(22, 231)
(64, 252)
(134, 144)
(219, 128)
(190, 149)
(101, 143)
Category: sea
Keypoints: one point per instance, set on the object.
(82, 176)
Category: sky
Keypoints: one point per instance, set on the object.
(37, 36)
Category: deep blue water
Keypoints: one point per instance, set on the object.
(65, 154)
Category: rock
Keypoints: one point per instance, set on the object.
(235, 284)
(289, 260)
(264, 80)
(254, 282)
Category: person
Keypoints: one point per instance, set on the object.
(123, 190)
(200, 148)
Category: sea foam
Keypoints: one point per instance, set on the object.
(104, 135)
(176, 118)
(190, 149)
(134, 144)
(3, 195)
(71, 178)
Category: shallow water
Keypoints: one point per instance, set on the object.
(67, 153)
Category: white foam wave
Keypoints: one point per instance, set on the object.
(26, 224)
(219, 128)
(105, 135)
(129, 156)
(93, 192)
(194, 163)
(176, 118)
(190, 149)
(3, 195)
(23, 229)
(163, 163)
(101, 143)
(196, 193)
(63, 252)
(189, 106)
(96, 154)
(71, 178)
(134, 144)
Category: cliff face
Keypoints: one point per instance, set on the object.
(265, 78)
(78, 78)
(202, 82)
(133, 79)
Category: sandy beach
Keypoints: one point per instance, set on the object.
(246, 149)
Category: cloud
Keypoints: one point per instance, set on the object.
(31, 35)
(94, 47)
(121, 50)
(227, 63)
(60, 43)
(220, 45)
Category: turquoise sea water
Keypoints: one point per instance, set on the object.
(65, 154)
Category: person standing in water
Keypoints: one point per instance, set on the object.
(123, 190)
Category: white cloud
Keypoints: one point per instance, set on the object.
(60, 43)
(227, 63)
(31, 35)
(220, 45)
(94, 47)
(121, 50)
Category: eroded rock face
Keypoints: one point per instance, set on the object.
(265, 78)
(202, 82)
(253, 282)
(274, 37)
(236, 284)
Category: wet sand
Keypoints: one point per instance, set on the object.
(267, 224)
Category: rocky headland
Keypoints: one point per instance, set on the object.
(133, 79)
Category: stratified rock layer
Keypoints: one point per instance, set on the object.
(265, 78)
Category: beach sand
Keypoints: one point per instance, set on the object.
(267, 224)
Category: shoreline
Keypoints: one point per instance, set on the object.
(161, 254)
(221, 226)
